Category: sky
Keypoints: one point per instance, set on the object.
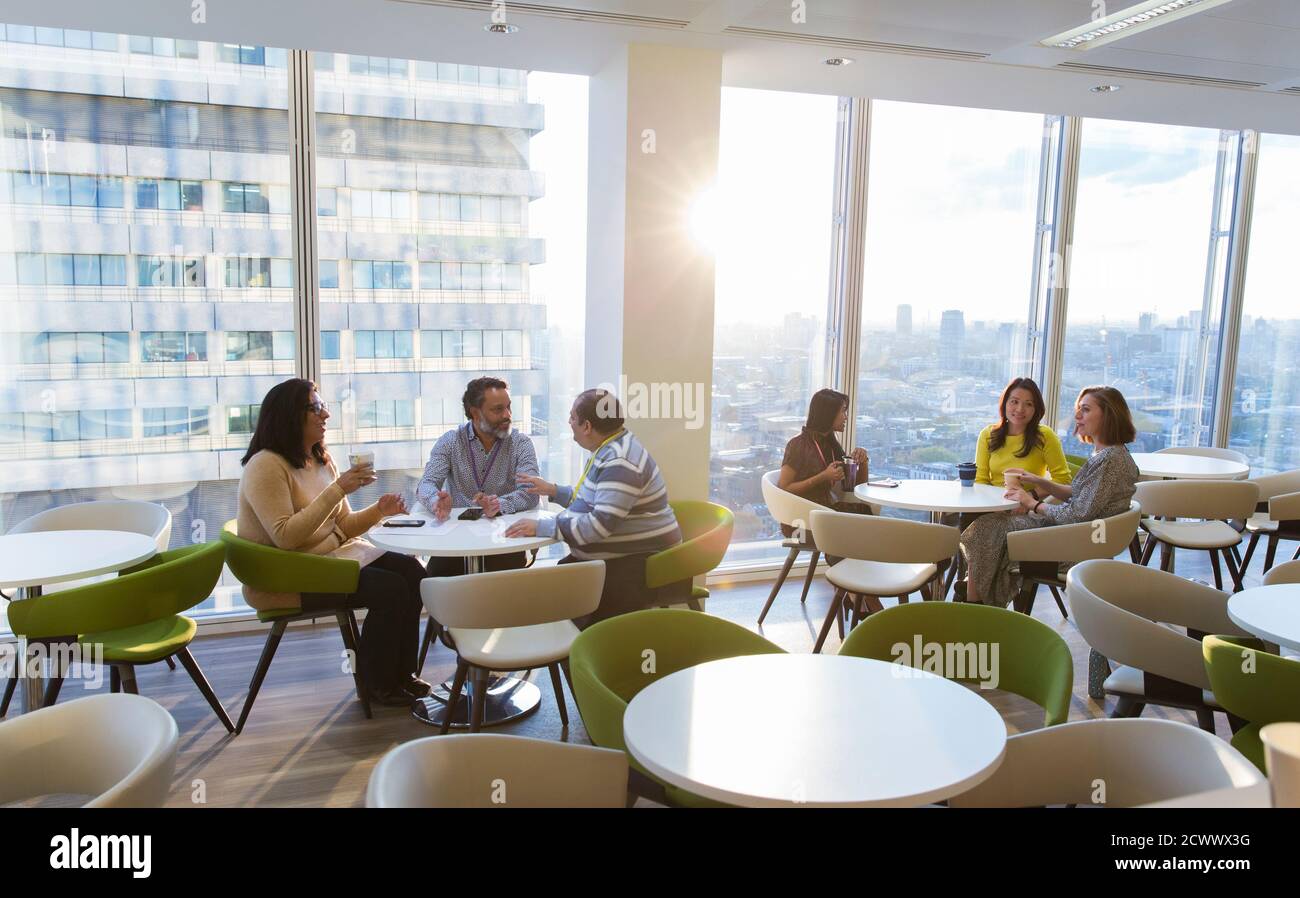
(952, 194)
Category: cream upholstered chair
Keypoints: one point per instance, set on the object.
(1283, 573)
(1110, 763)
(1212, 503)
(512, 620)
(793, 511)
(487, 770)
(1277, 515)
(118, 748)
(881, 557)
(1039, 553)
(148, 518)
(1122, 610)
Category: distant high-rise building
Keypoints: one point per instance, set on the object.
(1146, 322)
(952, 333)
(903, 321)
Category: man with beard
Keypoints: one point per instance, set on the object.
(477, 465)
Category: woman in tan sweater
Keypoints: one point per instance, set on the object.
(292, 496)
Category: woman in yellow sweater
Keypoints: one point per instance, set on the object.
(1018, 444)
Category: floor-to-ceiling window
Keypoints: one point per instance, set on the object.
(950, 231)
(1137, 318)
(145, 272)
(432, 258)
(1266, 398)
(146, 269)
(772, 229)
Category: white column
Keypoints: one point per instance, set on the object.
(653, 151)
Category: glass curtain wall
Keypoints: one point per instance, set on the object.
(1266, 398)
(145, 276)
(776, 179)
(1138, 278)
(950, 230)
(146, 271)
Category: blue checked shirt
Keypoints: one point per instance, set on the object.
(452, 465)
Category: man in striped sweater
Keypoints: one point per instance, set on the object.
(618, 511)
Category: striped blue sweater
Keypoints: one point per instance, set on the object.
(621, 508)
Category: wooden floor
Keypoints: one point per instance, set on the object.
(307, 742)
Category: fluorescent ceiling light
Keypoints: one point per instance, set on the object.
(1128, 21)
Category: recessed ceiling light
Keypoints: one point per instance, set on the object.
(839, 60)
(1140, 17)
(501, 28)
(1104, 88)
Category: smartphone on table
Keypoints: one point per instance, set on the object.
(404, 522)
(470, 514)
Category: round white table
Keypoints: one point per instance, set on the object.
(1270, 612)
(938, 497)
(1176, 466)
(32, 560)
(846, 732)
(507, 697)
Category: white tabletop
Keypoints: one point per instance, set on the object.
(1188, 467)
(936, 496)
(777, 730)
(456, 539)
(1270, 612)
(56, 556)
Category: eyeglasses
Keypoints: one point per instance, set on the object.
(318, 408)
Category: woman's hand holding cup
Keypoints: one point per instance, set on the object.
(354, 479)
(834, 472)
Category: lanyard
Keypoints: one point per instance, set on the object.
(492, 456)
(581, 479)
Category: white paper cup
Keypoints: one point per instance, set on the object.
(1012, 481)
(1282, 761)
(362, 459)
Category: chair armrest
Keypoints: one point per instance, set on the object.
(1285, 507)
(1068, 542)
(687, 559)
(270, 569)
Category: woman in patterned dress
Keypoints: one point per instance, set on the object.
(1100, 489)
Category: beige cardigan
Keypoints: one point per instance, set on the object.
(300, 510)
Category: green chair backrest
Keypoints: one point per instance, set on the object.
(1074, 463)
(269, 569)
(706, 533)
(166, 584)
(611, 661)
(1033, 661)
(1253, 684)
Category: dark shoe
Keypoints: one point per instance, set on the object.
(415, 688)
(390, 698)
(959, 591)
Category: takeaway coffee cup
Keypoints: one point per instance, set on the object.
(966, 471)
(362, 459)
(1012, 481)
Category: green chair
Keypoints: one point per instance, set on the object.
(609, 666)
(1033, 660)
(269, 569)
(706, 533)
(136, 617)
(1074, 463)
(1266, 691)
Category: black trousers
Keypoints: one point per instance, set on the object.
(455, 567)
(389, 590)
(625, 589)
